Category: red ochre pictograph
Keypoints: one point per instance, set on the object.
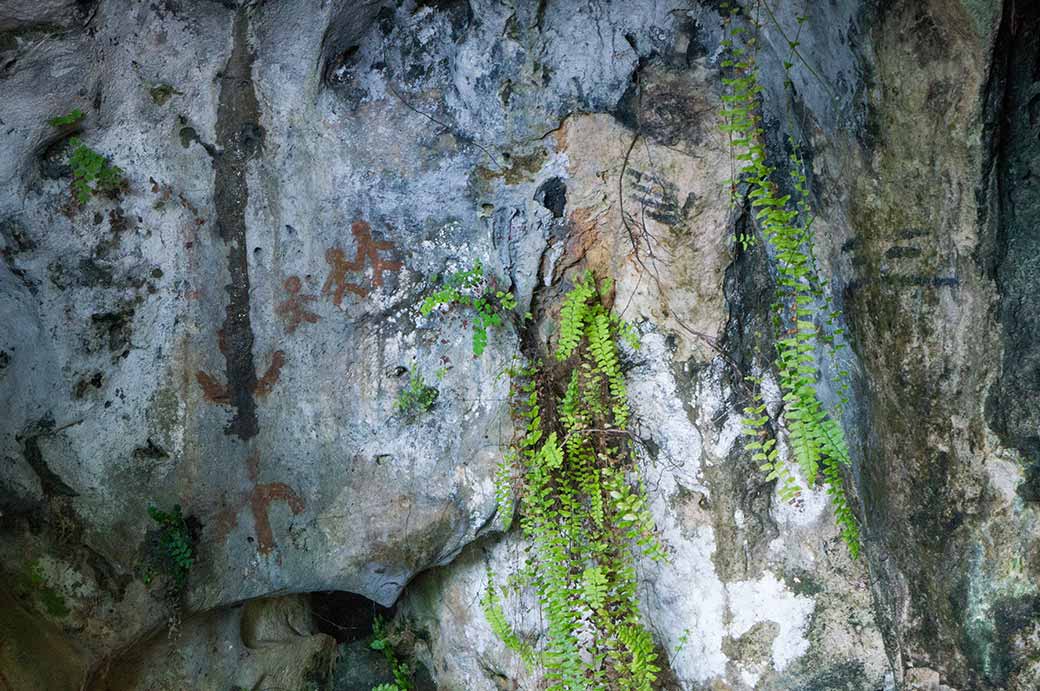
(294, 309)
(215, 392)
(259, 497)
(367, 248)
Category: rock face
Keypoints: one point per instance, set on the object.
(932, 303)
(268, 643)
(231, 333)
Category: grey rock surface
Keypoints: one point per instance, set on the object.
(218, 650)
(230, 334)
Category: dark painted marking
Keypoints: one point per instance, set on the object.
(215, 392)
(912, 233)
(904, 282)
(239, 138)
(658, 197)
(851, 245)
(898, 252)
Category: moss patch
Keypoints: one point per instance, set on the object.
(518, 168)
(34, 585)
(12, 39)
(161, 93)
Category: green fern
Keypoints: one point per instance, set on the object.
(491, 605)
(582, 507)
(504, 481)
(594, 587)
(381, 642)
(816, 440)
(416, 398)
(92, 174)
(67, 120)
(573, 315)
(174, 552)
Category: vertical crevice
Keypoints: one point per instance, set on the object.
(1013, 405)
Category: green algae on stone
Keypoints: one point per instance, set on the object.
(998, 607)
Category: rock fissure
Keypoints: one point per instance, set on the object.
(51, 482)
(1014, 401)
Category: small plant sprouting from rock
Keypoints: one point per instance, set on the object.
(474, 289)
(491, 605)
(173, 552)
(92, 174)
(416, 398)
(35, 585)
(401, 671)
(161, 93)
(71, 118)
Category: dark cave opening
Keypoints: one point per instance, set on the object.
(349, 618)
(346, 616)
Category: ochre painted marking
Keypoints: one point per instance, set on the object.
(216, 392)
(294, 310)
(259, 497)
(267, 382)
(260, 501)
(212, 390)
(367, 248)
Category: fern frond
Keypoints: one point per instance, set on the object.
(583, 508)
(816, 439)
(491, 605)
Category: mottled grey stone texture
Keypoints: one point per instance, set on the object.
(231, 333)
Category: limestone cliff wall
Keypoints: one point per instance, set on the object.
(231, 332)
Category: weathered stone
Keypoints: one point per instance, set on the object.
(936, 481)
(230, 648)
(270, 621)
(231, 332)
(36, 653)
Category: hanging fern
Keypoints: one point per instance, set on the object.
(491, 605)
(583, 508)
(815, 438)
